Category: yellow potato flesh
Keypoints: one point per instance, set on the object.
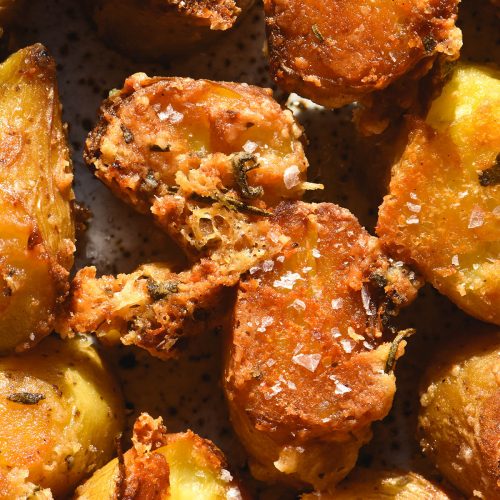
(70, 425)
(36, 222)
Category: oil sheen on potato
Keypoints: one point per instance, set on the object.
(36, 222)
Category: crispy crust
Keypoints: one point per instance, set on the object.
(335, 52)
(306, 358)
(428, 220)
(460, 405)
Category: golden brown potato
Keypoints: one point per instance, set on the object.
(336, 52)
(180, 466)
(60, 410)
(36, 221)
(459, 421)
(309, 362)
(442, 213)
(364, 484)
(208, 160)
(201, 156)
(157, 29)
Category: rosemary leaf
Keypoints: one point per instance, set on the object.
(26, 398)
(391, 358)
(317, 33)
(242, 164)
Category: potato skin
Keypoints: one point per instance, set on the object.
(368, 484)
(336, 52)
(441, 214)
(36, 222)
(158, 29)
(69, 427)
(459, 421)
(161, 465)
(305, 361)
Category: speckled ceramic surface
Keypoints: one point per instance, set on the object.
(187, 392)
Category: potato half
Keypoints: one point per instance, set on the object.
(335, 52)
(309, 361)
(36, 220)
(459, 421)
(442, 213)
(158, 29)
(365, 484)
(180, 466)
(61, 411)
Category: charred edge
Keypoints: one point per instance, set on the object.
(158, 149)
(40, 58)
(35, 238)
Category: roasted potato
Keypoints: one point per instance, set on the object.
(180, 466)
(336, 52)
(60, 410)
(201, 156)
(365, 484)
(208, 160)
(309, 360)
(158, 29)
(442, 213)
(459, 421)
(36, 221)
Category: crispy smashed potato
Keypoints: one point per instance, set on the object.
(365, 484)
(442, 213)
(336, 52)
(156, 29)
(180, 466)
(61, 410)
(203, 157)
(309, 364)
(459, 419)
(208, 160)
(36, 221)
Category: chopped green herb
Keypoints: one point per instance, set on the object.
(26, 398)
(317, 33)
(391, 358)
(230, 204)
(242, 164)
(128, 136)
(491, 176)
(429, 43)
(159, 290)
(149, 184)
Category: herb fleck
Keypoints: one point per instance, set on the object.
(159, 290)
(26, 398)
(391, 358)
(317, 33)
(230, 204)
(429, 43)
(242, 164)
(491, 176)
(127, 134)
(158, 149)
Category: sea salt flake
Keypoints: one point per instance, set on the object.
(455, 261)
(414, 207)
(287, 281)
(335, 332)
(341, 388)
(354, 336)
(171, 115)
(226, 476)
(298, 348)
(413, 219)
(254, 269)
(280, 258)
(413, 196)
(266, 321)
(346, 345)
(250, 147)
(275, 389)
(233, 494)
(316, 254)
(337, 303)
(298, 304)
(308, 361)
(306, 269)
(291, 176)
(267, 265)
(367, 345)
(366, 299)
(476, 218)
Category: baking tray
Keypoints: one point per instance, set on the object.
(187, 392)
